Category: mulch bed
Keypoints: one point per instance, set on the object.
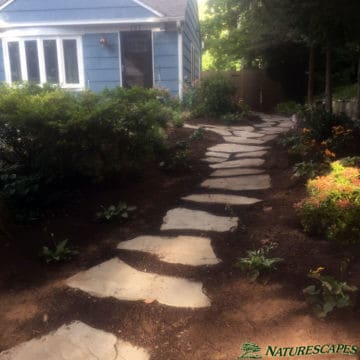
(34, 299)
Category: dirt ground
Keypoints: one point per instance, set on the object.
(270, 311)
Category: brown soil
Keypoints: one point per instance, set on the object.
(270, 311)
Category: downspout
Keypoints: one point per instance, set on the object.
(181, 61)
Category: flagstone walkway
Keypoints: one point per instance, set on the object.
(237, 165)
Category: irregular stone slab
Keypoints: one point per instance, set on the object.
(236, 172)
(186, 250)
(217, 154)
(116, 279)
(213, 160)
(221, 199)
(76, 341)
(247, 134)
(185, 219)
(274, 130)
(286, 124)
(242, 128)
(219, 131)
(236, 148)
(253, 182)
(239, 163)
(189, 126)
(242, 140)
(268, 138)
(254, 154)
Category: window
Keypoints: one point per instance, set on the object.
(15, 66)
(51, 61)
(55, 61)
(32, 61)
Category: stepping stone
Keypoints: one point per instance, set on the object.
(186, 250)
(185, 219)
(241, 183)
(247, 134)
(217, 154)
(236, 172)
(189, 126)
(241, 140)
(221, 132)
(286, 124)
(239, 163)
(221, 199)
(242, 128)
(76, 341)
(268, 138)
(251, 154)
(274, 130)
(236, 148)
(116, 279)
(213, 160)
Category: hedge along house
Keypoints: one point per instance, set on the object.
(94, 44)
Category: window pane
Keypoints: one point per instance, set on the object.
(71, 62)
(51, 61)
(14, 56)
(32, 61)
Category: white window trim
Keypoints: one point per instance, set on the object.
(41, 59)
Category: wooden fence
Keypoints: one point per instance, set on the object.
(255, 88)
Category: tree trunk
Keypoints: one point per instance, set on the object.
(328, 85)
(310, 91)
(358, 91)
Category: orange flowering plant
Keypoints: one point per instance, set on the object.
(332, 207)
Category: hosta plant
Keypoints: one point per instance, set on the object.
(328, 293)
(257, 262)
(119, 211)
(60, 252)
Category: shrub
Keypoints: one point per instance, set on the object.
(332, 207)
(212, 96)
(321, 123)
(50, 137)
(290, 108)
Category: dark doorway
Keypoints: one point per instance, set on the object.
(136, 51)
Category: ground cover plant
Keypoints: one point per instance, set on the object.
(51, 139)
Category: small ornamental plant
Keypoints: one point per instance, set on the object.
(257, 262)
(332, 207)
(328, 293)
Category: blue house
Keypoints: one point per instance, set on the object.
(93, 44)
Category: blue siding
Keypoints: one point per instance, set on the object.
(191, 36)
(2, 69)
(102, 68)
(166, 61)
(70, 10)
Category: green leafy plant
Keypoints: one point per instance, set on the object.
(290, 108)
(212, 96)
(309, 169)
(256, 262)
(60, 252)
(328, 293)
(119, 211)
(51, 138)
(176, 157)
(198, 134)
